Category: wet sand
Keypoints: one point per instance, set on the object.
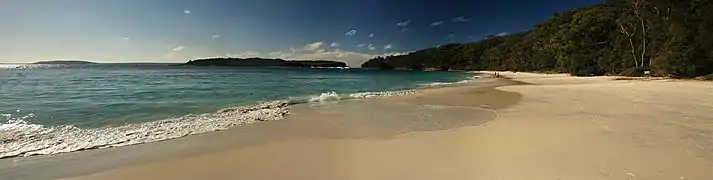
(379, 118)
(555, 127)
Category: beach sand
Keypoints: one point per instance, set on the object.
(554, 127)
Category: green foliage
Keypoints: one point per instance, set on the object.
(670, 38)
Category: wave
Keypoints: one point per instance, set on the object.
(449, 83)
(20, 138)
(333, 96)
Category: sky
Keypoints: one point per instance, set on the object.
(166, 31)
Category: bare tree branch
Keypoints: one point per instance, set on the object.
(631, 43)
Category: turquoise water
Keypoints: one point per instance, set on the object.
(38, 99)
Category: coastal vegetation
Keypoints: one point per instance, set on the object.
(670, 38)
(264, 62)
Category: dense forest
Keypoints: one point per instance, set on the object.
(672, 38)
(264, 62)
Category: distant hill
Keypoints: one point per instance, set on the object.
(264, 62)
(65, 62)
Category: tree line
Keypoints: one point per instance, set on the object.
(672, 38)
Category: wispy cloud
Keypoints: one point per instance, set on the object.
(126, 38)
(502, 34)
(351, 32)
(388, 46)
(437, 23)
(371, 47)
(451, 35)
(186, 11)
(361, 45)
(403, 24)
(312, 46)
(334, 44)
(371, 35)
(216, 36)
(404, 29)
(460, 19)
(178, 48)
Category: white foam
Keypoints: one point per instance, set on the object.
(380, 94)
(19, 138)
(22, 139)
(450, 83)
(324, 97)
(330, 67)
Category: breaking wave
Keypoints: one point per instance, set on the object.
(20, 138)
(448, 83)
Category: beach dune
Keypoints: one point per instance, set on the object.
(553, 127)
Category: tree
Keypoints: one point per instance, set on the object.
(669, 37)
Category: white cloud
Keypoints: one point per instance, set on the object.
(351, 58)
(276, 54)
(334, 44)
(126, 38)
(216, 36)
(437, 23)
(460, 19)
(393, 54)
(451, 35)
(371, 35)
(404, 29)
(178, 48)
(246, 54)
(388, 46)
(351, 32)
(186, 11)
(502, 34)
(313, 46)
(403, 24)
(361, 45)
(371, 47)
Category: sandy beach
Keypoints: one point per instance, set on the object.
(553, 127)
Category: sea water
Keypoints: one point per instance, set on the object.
(48, 109)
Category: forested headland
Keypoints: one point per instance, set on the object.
(671, 38)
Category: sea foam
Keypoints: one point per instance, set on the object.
(22, 139)
(450, 83)
(19, 138)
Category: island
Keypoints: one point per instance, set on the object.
(64, 62)
(264, 62)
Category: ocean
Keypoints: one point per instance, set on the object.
(49, 109)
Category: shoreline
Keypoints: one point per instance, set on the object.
(63, 137)
(555, 127)
(11, 167)
(562, 128)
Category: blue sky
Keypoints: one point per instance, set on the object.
(179, 30)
